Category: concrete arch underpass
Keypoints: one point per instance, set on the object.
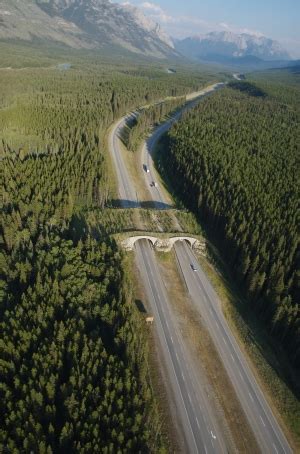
(161, 244)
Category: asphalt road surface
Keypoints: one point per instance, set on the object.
(127, 194)
(200, 429)
(264, 425)
(201, 432)
(148, 147)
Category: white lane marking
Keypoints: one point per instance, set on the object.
(224, 340)
(189, 397)
(171, 339)
(176, 356)
(165, 339)
(250, 396)
(275, 448)
(205, 449)
(197, 423)
(262, 421)
(241, 376)
(232, 357)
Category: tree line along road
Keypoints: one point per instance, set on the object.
(201, 431)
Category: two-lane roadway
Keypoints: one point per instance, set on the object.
(265, 427)
(149, 144)
(199, 426)
(201, 431)
(127, 193)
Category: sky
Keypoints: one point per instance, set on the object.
(276, 19)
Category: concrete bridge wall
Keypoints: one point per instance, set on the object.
(162, 244)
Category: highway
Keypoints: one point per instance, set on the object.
(265, 427)
(195, 414)
(201, 431)
(148, 146)
(127, 194)
(200, 428)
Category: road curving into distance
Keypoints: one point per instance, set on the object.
(266, 429)
(201, 431)
(200, 428)
(148, 146)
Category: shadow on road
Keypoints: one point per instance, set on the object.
(124, 203)
(156, 205)
(148, 204)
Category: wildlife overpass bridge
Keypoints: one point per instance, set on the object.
(160, 242)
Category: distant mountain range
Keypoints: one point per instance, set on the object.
(100, 24)
(228, 47)
(90, 24)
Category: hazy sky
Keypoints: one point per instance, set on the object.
(276, 19)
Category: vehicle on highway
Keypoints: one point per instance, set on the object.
(155, 184)
(194, 268)
(146, 168)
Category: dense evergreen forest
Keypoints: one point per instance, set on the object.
(73, 358)
(149, 117)
(234, 160)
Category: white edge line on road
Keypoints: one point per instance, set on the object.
(256, 388)
(170, 356)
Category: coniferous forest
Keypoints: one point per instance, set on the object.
(234, 160)
(150, 117)
(73, 360)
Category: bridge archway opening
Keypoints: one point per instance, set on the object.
(189, 241)
(185, 240)
(150, 240)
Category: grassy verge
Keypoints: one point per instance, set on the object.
(188, 222)
(266, 359)
(208, 366)
(268, 362)
(116, 220)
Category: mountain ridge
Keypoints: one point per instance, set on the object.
(86, 24)
(231, 45)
